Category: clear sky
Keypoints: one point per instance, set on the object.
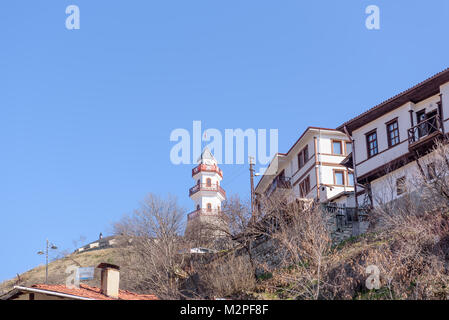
(86, 115)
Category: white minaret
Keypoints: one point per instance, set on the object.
(207, 194)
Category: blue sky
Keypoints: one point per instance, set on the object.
(86, 115)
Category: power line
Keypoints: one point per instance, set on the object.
(236, 174)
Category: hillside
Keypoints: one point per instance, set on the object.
(56, 269)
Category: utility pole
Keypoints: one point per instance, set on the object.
(46, 263)
(251, 176)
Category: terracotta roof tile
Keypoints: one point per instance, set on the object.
(86, 291)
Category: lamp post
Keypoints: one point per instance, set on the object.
(53, 247)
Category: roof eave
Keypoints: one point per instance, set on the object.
(52, 293)
(419, 92)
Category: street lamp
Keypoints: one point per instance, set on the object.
(51, 246)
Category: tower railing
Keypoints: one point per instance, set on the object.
(207, 187)
(203, 212)
(207, 168)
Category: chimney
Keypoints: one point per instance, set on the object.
(110, 278)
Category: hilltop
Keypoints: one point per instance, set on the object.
(56, 269)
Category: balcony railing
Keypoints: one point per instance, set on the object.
(207, 168)
(203, 212)
(281, 183)
(425, 130)
(206, 187)
(345, 216)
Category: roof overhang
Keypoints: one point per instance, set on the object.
(18, 290)
(274, 168)
(419, 92)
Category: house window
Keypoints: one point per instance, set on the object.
(303, 157)
(304, 187)
(306, 154)
(350, 179)
(208, 182)
(209, 207)
(393, 133)
(339, 177)
(400, 186)
(307, 184)
(348, 147)
(371, 144)
(337, 147)
(300, 161)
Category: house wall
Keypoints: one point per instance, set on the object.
(444, 89)
(386, 154)
(384, 188)
(308, 170)
(327, 163)
(39, 296)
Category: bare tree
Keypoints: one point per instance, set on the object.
(303, 232)
(296, 233)
(152, 247)
(230, 275)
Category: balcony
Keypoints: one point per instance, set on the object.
(425, 132)
(345, 216)
(203, 212)
(207, 168)
(279, 183)
(206, 187)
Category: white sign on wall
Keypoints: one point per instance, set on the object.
(86, 273)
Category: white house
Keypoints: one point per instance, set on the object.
(312, 167)
(391, 139)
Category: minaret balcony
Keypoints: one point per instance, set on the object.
(203, 212)
(207, 187)
(207, 168)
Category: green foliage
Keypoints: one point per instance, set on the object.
(265, 276)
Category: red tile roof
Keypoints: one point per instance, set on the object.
(86, 291)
